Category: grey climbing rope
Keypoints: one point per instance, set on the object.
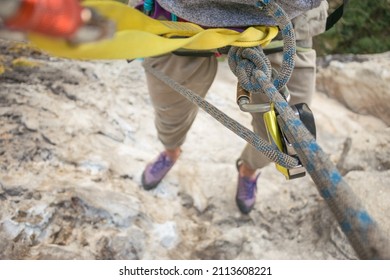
(252, 138)
(253, 70)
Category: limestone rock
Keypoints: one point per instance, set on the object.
(362, 86)
(76, 135)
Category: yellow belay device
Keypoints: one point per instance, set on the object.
(278, 138)
(275, 134)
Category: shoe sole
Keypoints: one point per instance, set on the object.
(146, 186)
(243, 208)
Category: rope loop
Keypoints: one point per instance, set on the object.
(253, 68)
(250, 64)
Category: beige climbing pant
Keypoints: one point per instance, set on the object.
(174, 114)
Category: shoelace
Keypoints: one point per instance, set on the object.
(247, 191)
(162, 162)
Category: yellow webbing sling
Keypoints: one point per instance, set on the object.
(138, 35)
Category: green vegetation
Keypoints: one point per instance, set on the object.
(364, 28)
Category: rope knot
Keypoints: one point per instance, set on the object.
(251, 66)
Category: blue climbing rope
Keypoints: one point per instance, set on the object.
(250, 65)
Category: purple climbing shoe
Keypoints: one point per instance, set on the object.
(246, 193)
(156, 171)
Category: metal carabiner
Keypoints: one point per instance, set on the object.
(244, 101)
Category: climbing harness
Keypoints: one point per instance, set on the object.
(154, 10)
(157, 37)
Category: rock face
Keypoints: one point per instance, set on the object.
(353, 84)
(75, 137)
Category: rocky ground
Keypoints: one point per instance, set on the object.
(75, 136)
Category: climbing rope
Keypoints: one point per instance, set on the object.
(252, 138)
(253, 70)
(359, 227)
